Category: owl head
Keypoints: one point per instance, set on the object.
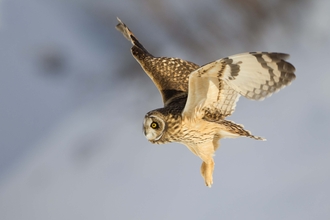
(154, 126)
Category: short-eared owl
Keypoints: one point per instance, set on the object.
(197, 99)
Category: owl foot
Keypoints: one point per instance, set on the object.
(207, 172)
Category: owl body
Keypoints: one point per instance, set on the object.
(197, 99)
(181, 129)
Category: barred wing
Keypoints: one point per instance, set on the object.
(215, 88)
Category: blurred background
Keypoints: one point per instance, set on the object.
(72, 102)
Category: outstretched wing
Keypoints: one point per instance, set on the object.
(170, 75)
(215, 88)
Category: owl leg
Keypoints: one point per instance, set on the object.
(207, 172)
(208, 166)
(205, 152)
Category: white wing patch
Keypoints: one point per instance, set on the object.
(257, 75)
(215, 88)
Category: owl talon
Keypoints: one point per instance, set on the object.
(209, 183)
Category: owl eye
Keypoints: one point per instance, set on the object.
(154, 125)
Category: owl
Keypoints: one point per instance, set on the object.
(197, 99)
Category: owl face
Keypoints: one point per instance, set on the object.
(154, 127)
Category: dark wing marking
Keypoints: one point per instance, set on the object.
(215, 88)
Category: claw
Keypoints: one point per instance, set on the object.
(209, 184)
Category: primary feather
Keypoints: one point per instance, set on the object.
(217, 85)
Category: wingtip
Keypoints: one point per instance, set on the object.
(119, 24)
(260, 138)
(124, 29)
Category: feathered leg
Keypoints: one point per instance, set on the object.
(205, 151)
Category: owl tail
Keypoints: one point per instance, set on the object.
(129, 35)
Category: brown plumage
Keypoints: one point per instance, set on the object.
(198, 99)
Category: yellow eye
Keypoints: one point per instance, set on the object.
(154, 125)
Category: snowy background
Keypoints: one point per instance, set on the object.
(72, 101)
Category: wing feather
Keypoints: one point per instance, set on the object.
(170, 75)
(215, 88)
(260, 74)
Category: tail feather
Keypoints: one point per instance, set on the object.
(129, 35)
